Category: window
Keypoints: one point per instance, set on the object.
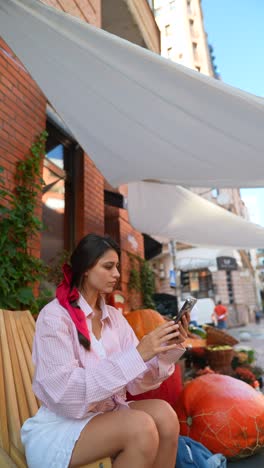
(168, 30)
(191, 23)
(214, 191)
(53, 203)
(158, 4)
(58, 195)
(195, 50)
(170, 52)
(189, 7)
(157, 11)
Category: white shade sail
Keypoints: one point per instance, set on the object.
(203, 257)
(138, 115)
(172, 212)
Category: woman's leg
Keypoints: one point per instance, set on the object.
(167, 424)
(130, 436)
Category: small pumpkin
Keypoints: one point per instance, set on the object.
(143, 321)
(224, 414)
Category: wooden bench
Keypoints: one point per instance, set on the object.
(17, 400)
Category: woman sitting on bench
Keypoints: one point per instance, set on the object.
(86, 357)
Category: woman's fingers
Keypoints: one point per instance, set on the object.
(163, 349)
(182, 329)
(165, 329)
(184, 325)
(170, 336)
(186, 320)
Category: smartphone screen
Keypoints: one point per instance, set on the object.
(187, 307)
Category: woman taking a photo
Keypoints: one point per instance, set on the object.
(86, 357)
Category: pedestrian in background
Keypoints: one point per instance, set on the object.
(220, 315)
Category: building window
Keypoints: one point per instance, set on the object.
(215, 192)
(197, 282)
(170, 52)
(168, 30)
(158, 5)
(58, 195)
(157, 11)
(189, 7)
(195, 50)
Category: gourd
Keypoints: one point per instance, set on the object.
(224, 414)
(143, 321)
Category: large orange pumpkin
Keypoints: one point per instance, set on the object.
(224, 414)
(143, 321)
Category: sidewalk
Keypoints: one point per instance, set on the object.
(256, 341)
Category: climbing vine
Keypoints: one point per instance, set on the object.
(141, 279)
(20, 270)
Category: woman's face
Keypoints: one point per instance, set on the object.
(104, 275)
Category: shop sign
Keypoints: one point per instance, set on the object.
(226, 263)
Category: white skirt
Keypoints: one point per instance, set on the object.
(49, 439)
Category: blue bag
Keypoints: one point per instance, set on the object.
(193, 454)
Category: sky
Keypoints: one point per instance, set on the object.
(235, 30)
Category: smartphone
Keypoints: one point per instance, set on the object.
(187, 307)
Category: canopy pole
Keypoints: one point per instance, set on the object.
(173, 250)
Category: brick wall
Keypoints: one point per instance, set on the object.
(22, 117)
(87, 10)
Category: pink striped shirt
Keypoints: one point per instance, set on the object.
(73, 382)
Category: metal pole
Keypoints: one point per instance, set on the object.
(173, 251)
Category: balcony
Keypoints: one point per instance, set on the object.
(132, 20)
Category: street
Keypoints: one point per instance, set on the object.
(254, 340)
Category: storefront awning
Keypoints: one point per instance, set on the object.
(172, 212)
(202, 257)
(138, 116)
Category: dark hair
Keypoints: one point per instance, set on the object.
(87, 253)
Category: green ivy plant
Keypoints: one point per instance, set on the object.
(141, 279)
(54, 267)
(19, 225)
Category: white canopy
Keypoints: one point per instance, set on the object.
(202, 257)
(138, 115)
(172, 212)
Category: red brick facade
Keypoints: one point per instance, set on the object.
(23, 118)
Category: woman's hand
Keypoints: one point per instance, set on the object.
(163, 338)
(183, 328)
